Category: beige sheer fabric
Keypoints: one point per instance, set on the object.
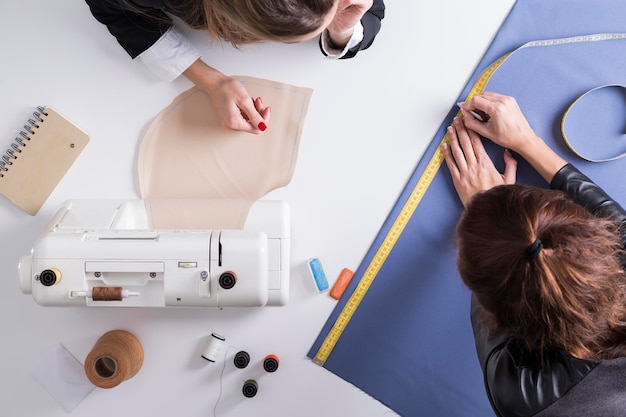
(195, 174)
(197, 213)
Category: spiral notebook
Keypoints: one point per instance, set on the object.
(37, 160)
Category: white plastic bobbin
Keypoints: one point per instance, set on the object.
(212, 348)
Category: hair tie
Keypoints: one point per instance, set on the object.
(534, 249)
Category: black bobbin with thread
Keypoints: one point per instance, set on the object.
(250, 388)
(242, 359)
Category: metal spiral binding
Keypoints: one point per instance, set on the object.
(21, 141)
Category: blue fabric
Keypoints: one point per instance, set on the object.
(409, 344)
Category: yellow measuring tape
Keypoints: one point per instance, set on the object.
(394, 232)
(564, 124)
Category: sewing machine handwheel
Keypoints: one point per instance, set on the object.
(228, 280)
(49, 277)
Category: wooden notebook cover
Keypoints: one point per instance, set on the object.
(52, 147)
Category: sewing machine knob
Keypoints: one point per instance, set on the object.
(50, 277)
(228, 280)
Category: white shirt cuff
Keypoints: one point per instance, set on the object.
(170, 55)
(357, 36)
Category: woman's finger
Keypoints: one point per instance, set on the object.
(465, 141)
(456, 151)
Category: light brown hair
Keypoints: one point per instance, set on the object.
(249, 21)
(569, 295)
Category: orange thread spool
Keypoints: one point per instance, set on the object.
(270, 363)
(116, 357)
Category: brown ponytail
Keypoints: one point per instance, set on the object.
(545, 270)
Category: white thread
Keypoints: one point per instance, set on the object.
(219, 397)
(213, 347)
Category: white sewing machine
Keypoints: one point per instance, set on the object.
(102, 253)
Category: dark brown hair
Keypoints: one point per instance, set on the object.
(249, 21)
(567, 295)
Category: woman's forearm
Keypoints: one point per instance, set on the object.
(541, 157)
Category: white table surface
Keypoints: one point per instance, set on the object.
(369, 121)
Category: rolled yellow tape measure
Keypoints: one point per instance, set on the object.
(569, 114)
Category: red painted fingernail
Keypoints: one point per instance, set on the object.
(262, 126)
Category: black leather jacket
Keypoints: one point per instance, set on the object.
(138, 24)
(516, 382)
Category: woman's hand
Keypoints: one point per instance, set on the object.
(236, 109)
(506, 126)
(233, 104)
(471, 168)
(349, 13)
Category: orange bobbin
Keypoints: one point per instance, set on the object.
(270, 363)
